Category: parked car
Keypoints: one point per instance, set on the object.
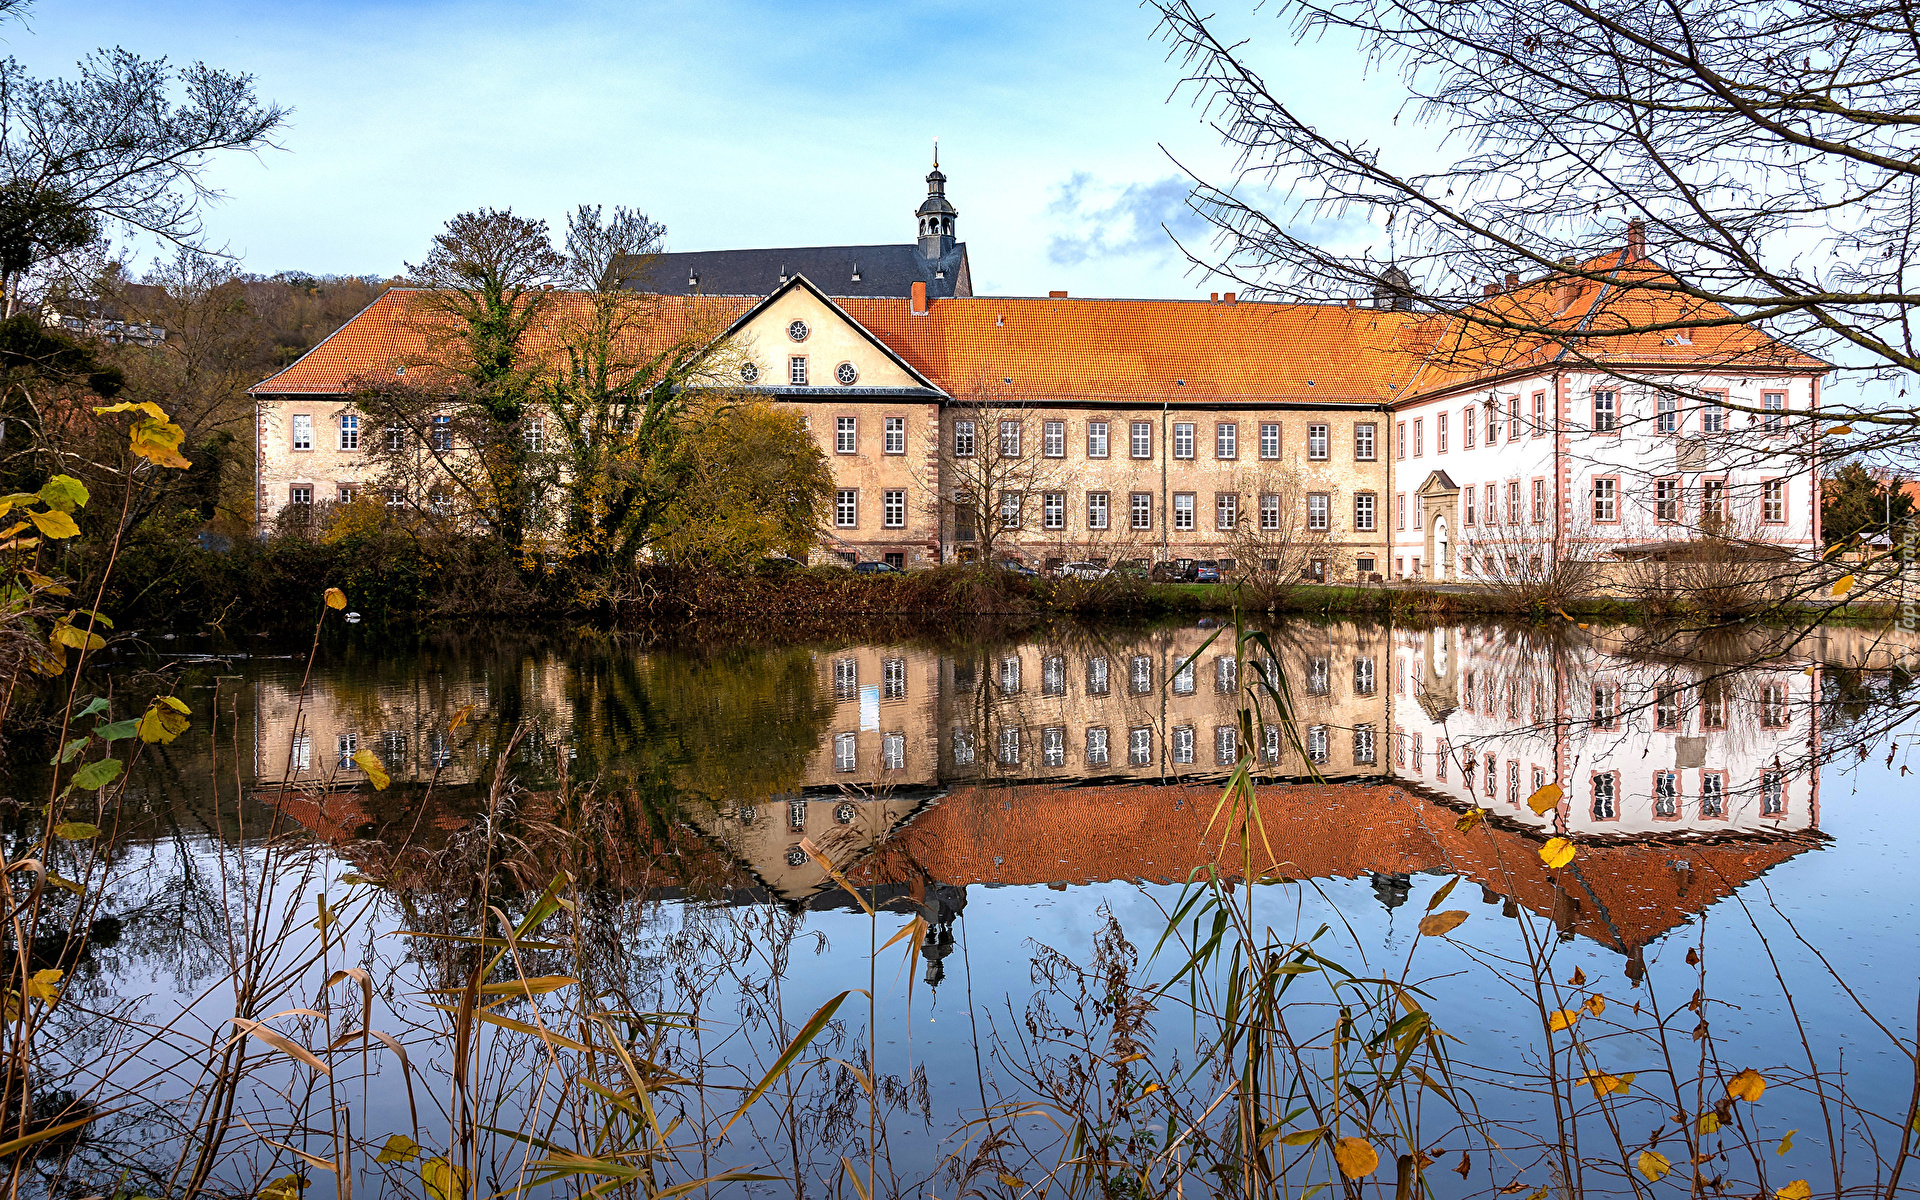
(1173, 572)
(777, 563)
(1207, 570)
(1020, 569)
(1083, 570)
(875, 568)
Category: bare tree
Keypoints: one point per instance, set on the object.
(991, 487)
(1281, 538)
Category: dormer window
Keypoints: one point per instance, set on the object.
(693, 279)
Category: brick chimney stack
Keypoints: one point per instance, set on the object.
(918, 302)
(1636, 240)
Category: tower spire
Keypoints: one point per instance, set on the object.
(936, 214)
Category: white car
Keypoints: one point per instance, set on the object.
(1084, 570)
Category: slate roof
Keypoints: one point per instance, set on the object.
(883, 271)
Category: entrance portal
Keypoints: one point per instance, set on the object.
(1440, 547)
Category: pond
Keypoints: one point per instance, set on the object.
(1028, 812)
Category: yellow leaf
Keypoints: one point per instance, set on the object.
(336, 598)
(399, 1148)
(158, 442)
(143, 406)
(1841, 586)
(1596, 1004)
(1357, 1159)
(65, 493)
(1838, 431)
(63, 634)
(75, 831)
(1557, 853)
(287, 1187)
(1544, 799)
(1654, 1164)
(1799, 1189)
(1747, 1085)
(162, 722)
(376, 770)
(460, 718)
(1012, 1181)
(1709, 1122)
(1786, 1143)
(443, 1180)
(45, 985)
(1577, 979)
(1562, 1019)
(1304, 1137)
(1441, 923)
(1469, 819)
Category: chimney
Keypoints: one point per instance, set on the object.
(1229, 298)
(1636, 240)
(918, 304)
(1352, 303)
(1513, 281)
(1213, 297)
(1489, 289)
(1056, 295)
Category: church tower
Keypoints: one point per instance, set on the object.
(936, 215)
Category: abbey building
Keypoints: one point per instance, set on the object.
(1329, 441)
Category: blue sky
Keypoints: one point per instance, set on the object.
(736, 122)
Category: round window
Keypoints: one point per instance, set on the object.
(846, 373)
(844, 814)
(796, 857)
(749, 372)
(797, 331)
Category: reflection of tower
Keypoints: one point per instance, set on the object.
(1391, 888)
(944, 903)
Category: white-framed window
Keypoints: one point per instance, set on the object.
(1053, 675)
(1363, 512)
(1226, 440)
(1773, 794)
(845, 755)
(1097, 675)
(1142, 439)
(534, 431)
(1053, 510)
(1774, 406)
(1140, 509)
(1096, 746)
(1096, 439)
(396, 438)
(1513, 418)
(1183, 679)
(1773, 501)
(1666, 793)
(1010, 675)
(1513, 502)
(1009, 439)
(895, 431)
(1053, 746)
(893, 508)
(1606, 501)
(1270, 440)
(302, 431)
(1400, 439)
(1713, 794)
(1096, 510)
(1713, 414)
(440, 500)
(1539, 414)
(963, 439)
(1226, 510)
(1440, 433)
(1605, 802)
(1183, 510)
(300, 494)
(1270, 513)
(1010, 510)
(846, 435)
(349, 492)
(893, 751)
(1319, 675)
(1713, 500)
(797, 370)
(1009, 747)
(1364, 748)
(1183, 744)
(302, 751)
(1319, 510)
(1317, 442)
(1317, 741)
(1466, 428)
(893, 679)
(395, 497)
(1226, 745)
(846, 678)
(1539, 502)
(1419, 437)
(1666, 500)
(1491, 411)
(1400, 510)
(1183, 439)
(441, 436)
(963, 747)
(1363, 676)
(1140, 747)
(846, 508)
(1053, 439)
(1606, 415)
(349, 431)
(1140, 674)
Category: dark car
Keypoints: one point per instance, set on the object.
(1020, 569)
(1207, 570)
(875, 568)
(1173, 572)
(774, 563)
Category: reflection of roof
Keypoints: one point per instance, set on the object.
(1622, 895)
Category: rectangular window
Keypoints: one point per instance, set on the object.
(1773, 794)
(1142, 432)
(1319, 506)
(1270, 513)
(1140, 747)
(1183, 439)
(1226, 511)
(895, 430)
(1317, 744)
(1183, 744)
(1666, 794)
(1226, 745)
(797, 370)
(1539, 502)
(1666, 500)
(846, 435)
(302, 431)
(1226, 674)
(1513, 418)
(963, 747)
(1441, 753)
(1364, 750)
(1142, 510)
(1606, 501)
(349, 431)
(1773, 706)
(1713, 794)
(893, 508)
(1183, 510)
(1053, 746)
(1270, 743)
(1096, 439)
(299, 495)
(1773, 501)
(534, 430)
(963, 439)
(1491, 514)
(1713, 413)
(1513, 503)
(349, 492)
(1010, 675)
(1774, 405)
(893, 753)
(893, 679)
(1440, 433)
(1466, 428)
(1053, 439)
(1097, 676)
(1605, 412)
(845, 755)
(1319, 676)
(1096, 510)
(1605, 706)
(1226, 440)
(1713, 500)
(1009, 439)
(396, 497)
(1009, 747)
(1053, 510)
(1317, 442)
(1491, 410)
(1419, 436)
(1363, 441)
(396, 438)
(1140, 674)
(1363, 512)
(963, 517)
(846, 678)
(1604, 807)
(442, 436)
(1183, 679)
(1053, 675)
(1010, 510)
(1400, 510)
(1096, 747)
(1539, 414)
(846, 508)
(302, 751)
(1270, 440)
(1400, 440)
(1467, 495)
(1666, 708)
(1666, 418)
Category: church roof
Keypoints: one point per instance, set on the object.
(889, 271)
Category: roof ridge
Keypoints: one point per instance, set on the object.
(344, 325)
